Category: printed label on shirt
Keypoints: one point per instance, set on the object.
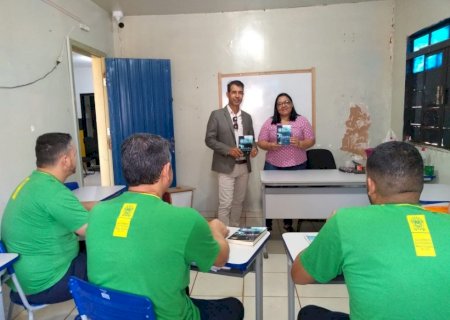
(124, 220)
(19, 187)
(423, 243)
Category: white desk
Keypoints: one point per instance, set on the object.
(310, 194)
(435, 193)
(6, 259)
(98, 193)
(241, 261)
(294, 243)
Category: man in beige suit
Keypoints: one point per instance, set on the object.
(232, 165)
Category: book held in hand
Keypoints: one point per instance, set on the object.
(284, 134)
(246, 143)
(247, 235)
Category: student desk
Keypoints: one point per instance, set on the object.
(435, 193)
(98, 193)
(315, 194)
(310, 194)
(244, 259)
(294, 243)
(6, 259)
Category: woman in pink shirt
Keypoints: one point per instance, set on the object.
(291, 154)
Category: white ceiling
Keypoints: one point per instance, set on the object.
(164, 7)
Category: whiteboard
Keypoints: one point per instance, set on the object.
(261, 89)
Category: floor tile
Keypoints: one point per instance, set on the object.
(273, 308)
(208, 284)
(16, 308)
(322, 290)
(275, 263)
(274, 285)
(275, 246)
(55, 311)
(335, 304)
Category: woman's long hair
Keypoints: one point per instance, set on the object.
(276, 115)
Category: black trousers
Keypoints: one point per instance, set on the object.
(312, 312)
(221, 309)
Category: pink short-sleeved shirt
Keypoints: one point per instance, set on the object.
(286, 156)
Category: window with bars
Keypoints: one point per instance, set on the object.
(427, 85)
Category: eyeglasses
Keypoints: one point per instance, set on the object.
(285, 103)
(235, 124)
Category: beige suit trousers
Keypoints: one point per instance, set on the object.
(232, 190)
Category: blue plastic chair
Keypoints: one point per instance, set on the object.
(11, 274)
(99, 303)
(72, 185)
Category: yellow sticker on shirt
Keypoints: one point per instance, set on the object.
(423, 243)
(19, 187)
(124, 220)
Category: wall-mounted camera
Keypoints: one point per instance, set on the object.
(118, 15)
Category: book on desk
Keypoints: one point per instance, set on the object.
(248, 236)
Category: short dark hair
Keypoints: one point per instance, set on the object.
(50, 146)
(276, 115)
(396, 167)
(143, 158)
(234, 83)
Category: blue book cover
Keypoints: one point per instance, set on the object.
(246, 143)
(284, 134)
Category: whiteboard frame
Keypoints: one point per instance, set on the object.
(239, 76)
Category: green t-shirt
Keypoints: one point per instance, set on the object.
(139, 244)
(39, 223)
(374, 248)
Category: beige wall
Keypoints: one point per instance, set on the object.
(349, 45)
(33, 34)
(412, 16)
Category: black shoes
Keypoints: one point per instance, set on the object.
(288, 228)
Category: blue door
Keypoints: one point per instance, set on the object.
(140, 100)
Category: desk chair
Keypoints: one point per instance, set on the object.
(72, 185)
(320, 159)
(99, 303)
(11, 274)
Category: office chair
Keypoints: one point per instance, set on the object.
(320, 159)
(11, 274)
(99, 303)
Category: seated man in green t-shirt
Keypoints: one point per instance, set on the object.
(140, 244)
(41, 222)
(394, 255)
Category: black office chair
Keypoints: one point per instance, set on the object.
(320, 159)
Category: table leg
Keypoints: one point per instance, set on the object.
(259, 286)
(266, 253)
(291, 293)
(2, 309)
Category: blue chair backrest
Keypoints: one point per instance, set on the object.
(72, 185)
(98, 303)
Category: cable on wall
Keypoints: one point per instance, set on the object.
(45, 75)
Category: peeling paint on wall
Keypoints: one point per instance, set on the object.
(356, 137)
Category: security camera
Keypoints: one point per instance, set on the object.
(118, 15)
